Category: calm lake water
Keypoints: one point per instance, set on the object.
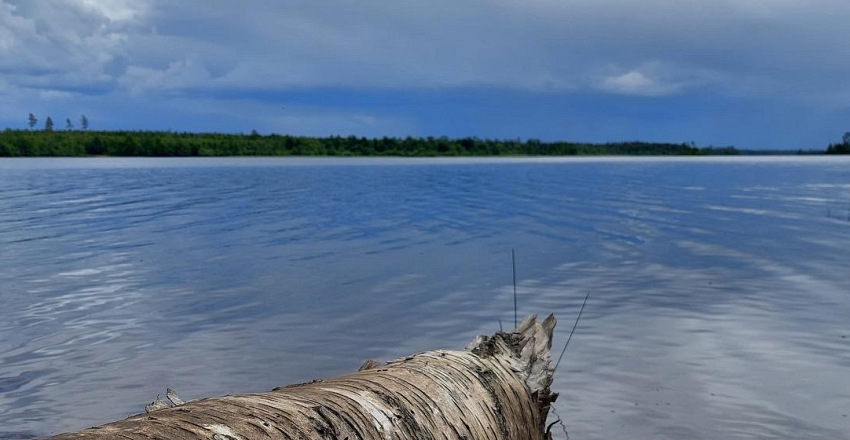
(719, 308)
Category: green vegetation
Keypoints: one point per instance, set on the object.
(842, 148)
(15, 143)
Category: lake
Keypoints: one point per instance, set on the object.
(719, 307)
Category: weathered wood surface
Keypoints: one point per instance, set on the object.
(496, 390)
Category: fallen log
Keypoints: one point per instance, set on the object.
(498, 389)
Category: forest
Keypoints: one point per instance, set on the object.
(68, 143)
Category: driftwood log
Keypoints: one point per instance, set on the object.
(498, 389)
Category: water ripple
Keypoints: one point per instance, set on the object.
(718, 305)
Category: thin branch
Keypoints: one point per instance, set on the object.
(571, 333)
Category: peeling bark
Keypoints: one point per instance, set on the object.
(496, 390)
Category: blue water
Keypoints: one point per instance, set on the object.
(720, 303)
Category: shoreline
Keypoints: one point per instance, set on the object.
(311, 161)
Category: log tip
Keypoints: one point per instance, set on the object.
(526, 349)
(172, 397)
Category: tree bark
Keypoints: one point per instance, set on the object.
(498, 389)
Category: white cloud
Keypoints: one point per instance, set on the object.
(636, 83)
(656, 79)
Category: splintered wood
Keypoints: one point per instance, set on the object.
(496, 390)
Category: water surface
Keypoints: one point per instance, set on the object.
(719, 308)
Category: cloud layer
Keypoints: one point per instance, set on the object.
(125, 58)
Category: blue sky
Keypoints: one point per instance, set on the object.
(748, 73)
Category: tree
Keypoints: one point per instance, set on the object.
(48, 124)
(68, 124)
(842, 148)
(84, 122)
(32, 120)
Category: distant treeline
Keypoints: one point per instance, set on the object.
(22, 143)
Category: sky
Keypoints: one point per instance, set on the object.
(754, 74)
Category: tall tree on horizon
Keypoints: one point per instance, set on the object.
(48, 124)
(84, 122)
(68, 124)
(32, 120)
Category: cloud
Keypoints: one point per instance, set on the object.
(655, 79)
(361, 45)
(55, 95)
(636, 83)
(114, 10)
(178, 75)
(788, 52)
(537, 45)
(64, 43)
